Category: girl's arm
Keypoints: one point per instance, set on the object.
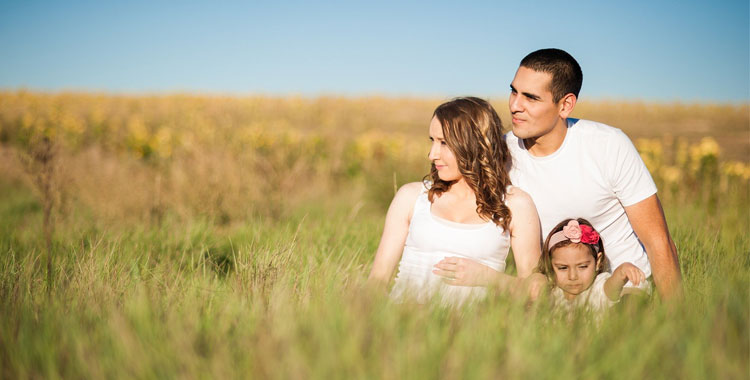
(624, 273)
(394, 234)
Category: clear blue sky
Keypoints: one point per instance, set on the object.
(652, 50)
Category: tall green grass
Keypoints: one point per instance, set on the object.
(285, 298)
(210, 237)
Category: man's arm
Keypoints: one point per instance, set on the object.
(649, 223)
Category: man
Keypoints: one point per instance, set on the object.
(579, 168)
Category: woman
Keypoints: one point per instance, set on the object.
(466, 214)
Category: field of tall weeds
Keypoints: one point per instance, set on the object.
(208, 236)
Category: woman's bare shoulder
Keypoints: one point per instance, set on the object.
(402, 205)
(410, 191)
(515, 197)
(525, 228)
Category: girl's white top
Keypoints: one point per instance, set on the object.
(432, 239)
(593, 299)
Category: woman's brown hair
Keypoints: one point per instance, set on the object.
(474, 133)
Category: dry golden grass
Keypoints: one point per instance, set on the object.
(159, 124)
(139, 157)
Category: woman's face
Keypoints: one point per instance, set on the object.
(575, 269)
(441, 155)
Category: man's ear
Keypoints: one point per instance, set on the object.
(566, 105)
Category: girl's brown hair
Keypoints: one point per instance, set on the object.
(474, 133)
(545, 261)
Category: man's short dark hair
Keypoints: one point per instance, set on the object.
(567, 76)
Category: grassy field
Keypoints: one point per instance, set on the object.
(230, 237)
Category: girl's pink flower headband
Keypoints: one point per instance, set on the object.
(576, 233)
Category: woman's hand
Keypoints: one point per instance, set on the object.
(535, 285)
(464, 272)
(629, 272)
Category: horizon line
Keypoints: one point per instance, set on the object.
(349, 95)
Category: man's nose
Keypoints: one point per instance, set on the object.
(515, 104)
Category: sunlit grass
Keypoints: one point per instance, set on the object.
(241, 249)
(285, 299)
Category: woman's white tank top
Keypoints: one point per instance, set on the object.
(432, 239)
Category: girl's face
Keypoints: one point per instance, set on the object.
(441, 155)
(575, 269)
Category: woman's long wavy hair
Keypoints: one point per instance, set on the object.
(474, 133)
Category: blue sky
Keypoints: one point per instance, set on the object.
(651, 50)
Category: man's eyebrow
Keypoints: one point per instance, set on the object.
(531, 96)
(526, 94)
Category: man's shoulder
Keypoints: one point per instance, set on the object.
(592, 128)
(596, 134)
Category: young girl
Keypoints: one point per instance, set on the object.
(466, 213)
(573, 260)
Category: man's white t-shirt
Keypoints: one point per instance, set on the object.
(594, 174)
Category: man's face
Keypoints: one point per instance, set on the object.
(531, 104)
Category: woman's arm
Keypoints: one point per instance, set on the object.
(394, 234)
(624, 273)
(525, 231)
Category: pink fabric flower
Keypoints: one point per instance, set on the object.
(572, 231)
(589, 235)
